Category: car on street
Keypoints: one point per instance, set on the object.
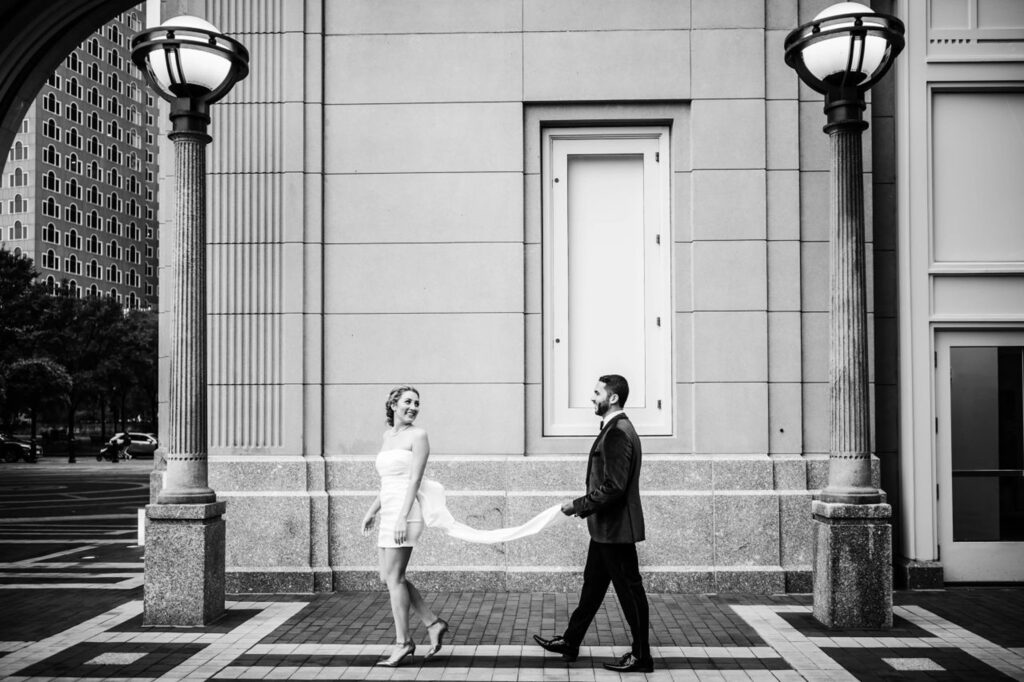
(141, 445)
(14, 449)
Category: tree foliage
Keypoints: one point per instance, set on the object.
(109, 356)
(37, 385)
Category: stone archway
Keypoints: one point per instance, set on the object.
(33, 41)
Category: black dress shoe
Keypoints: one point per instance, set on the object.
(631, 664)
(558, 645)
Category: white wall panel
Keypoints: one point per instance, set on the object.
(468, 67)
(606, 65)
(436, 16)
(424, 207)
(424, 348)
(424, 278)
(424, 138)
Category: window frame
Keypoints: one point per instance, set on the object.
(657, 416)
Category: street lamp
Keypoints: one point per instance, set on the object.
(845, 50)
(191, 65)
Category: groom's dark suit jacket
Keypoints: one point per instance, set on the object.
(612, 503)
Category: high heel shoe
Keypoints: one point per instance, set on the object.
(432, 651)
(406, 650)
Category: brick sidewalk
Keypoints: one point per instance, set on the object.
(955, 634)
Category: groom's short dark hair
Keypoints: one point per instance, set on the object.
(614, 383)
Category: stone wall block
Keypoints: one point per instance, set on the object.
(606, 65)
(679, 531)
(269, 530)
(797, 531)
(717, 73)
(746, 530)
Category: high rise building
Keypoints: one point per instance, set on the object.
(78, 192)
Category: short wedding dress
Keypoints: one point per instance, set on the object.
(431, 509)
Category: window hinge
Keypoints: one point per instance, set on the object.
(659, 321)
(659, 403)
(936, 359)
(936, 491)
(936, 425)
(938, 552)
(657, 239)
(657, 157)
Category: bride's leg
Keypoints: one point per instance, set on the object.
(426, 614)
(419, 606)
(395, 560)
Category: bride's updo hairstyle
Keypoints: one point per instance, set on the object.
(389, 407)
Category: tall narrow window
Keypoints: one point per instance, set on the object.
(607, 284)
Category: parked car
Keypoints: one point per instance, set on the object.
(142, 444)
(13, 449)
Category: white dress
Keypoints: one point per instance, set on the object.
(393, 469)
(431, 508)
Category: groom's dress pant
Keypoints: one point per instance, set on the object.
(614, 563)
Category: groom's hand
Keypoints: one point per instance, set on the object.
(568, 509)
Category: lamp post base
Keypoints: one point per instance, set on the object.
(184, 579)
(852, 565)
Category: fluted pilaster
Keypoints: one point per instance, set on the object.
(186, 448)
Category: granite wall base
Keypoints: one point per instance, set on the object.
(714, 524)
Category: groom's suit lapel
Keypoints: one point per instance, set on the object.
(604, 430)
(597, 443)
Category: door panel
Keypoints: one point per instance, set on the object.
(980, 454)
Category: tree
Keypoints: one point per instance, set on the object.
(36, 385)
(21, 303)
(109, 354)
(83, 334)
(139, 352)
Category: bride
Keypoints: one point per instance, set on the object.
(407, 502)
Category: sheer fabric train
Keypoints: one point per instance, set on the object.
(436, 515)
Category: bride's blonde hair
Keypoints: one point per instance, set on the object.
(396, 393)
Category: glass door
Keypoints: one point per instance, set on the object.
(980, 454)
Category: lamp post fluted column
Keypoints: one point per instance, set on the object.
(849, 472)
(186, 480)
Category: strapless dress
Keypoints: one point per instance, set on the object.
(431, 509)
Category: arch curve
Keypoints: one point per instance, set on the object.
(33, 43)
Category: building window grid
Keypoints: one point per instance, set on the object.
(51, 129)
(72, 162)
(73, 113)
(50, 261)
(73, 189)
(51, 104)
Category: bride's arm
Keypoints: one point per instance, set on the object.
(420, 453)
(370, 514)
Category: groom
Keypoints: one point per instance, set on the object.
(616, 523)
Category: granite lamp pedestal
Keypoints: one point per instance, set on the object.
(852, 565)
(184, 581)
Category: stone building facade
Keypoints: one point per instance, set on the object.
(454, 194)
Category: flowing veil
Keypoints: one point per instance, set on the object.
(436, 515)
